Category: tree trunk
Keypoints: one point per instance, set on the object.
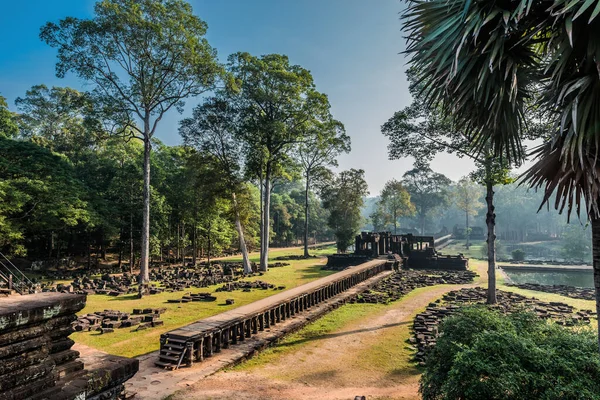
(194, 246)
(306, 255)
(145, 252)
(209, 245)
(177, 254)
(89, 255)
(120, 263)
(262, 217)
(264, 257)
(183, 246)
(131, 253)
(467, 228)
(238, 226)
(490, 220)
(596, 263)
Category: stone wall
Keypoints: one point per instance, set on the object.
(36, 359)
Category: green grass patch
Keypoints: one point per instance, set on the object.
(129, 343)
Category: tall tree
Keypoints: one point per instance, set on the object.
(326, 139)
(212, 129)
(144, 57)
(278, 102)
(466, 198)
(395, 203)
(422, 131)
(344, 198)
(475, 68)
(58, 118)
(428, 190)
(567, 165)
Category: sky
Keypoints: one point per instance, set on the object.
(352, 47)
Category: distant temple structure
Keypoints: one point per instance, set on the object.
(415, 251)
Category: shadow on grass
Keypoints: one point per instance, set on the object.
(316, 271)
(335, 335)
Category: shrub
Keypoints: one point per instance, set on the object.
(482, 354)
(518, 255)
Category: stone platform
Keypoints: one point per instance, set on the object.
(196, 341)
(36, 359)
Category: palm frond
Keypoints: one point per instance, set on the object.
(473, 63)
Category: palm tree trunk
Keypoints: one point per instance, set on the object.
(596, 263)
(243, 248)
(491, 241)
(306, 255)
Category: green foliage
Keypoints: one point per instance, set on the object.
(577, 243)
(8, 125)
(39, 194)
(474, 66)
(58, 118)
(143, 56)
(483, 354)
(393, 204)
(344, 198)
(466, 197)
(428, 190)
(518, 255)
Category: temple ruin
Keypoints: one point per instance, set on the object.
(36, 358)
(417, 252)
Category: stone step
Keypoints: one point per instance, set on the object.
(171, 352)
(173, 346)
(164, 357)
(164, 364)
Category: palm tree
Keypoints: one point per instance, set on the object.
(567, 166)
(481, 61)
(472, 64)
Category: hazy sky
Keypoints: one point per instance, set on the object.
(352, 48)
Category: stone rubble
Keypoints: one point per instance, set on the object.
(425, 324)
(405, 281)
(108, 320)
(563, 290)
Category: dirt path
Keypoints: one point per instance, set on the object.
(332, 367)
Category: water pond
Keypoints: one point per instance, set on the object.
(571, 278)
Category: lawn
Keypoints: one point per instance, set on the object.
(475, 250)
(129, 343)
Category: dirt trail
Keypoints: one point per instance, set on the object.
(328, 368)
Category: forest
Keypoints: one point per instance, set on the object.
(68, 192)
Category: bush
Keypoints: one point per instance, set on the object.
(482, 354)
(518, 255)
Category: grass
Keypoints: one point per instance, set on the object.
(129, 343)
(475, 250)
(320, 329)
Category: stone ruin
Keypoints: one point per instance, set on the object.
(399, 284)
(417, 252)
(563, 290)
(167, 279)
(108, 320)
(36, 359)
(425, 324)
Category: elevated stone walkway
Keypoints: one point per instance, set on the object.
(194, 342)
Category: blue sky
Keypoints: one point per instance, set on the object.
(352, 48)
